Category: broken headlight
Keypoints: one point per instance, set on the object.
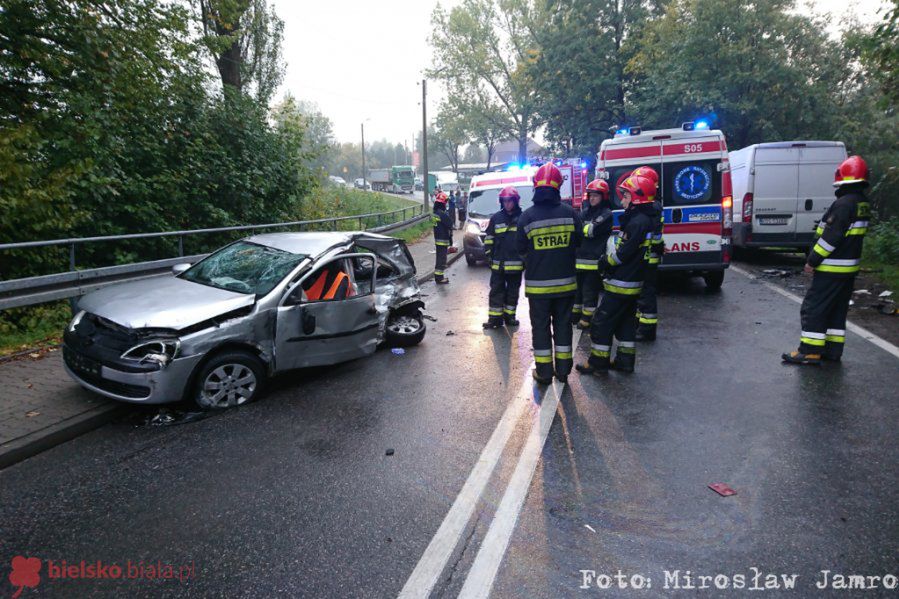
(160, 351)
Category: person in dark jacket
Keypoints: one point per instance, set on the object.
(451, 209)
(834, 261)
(549, 232)
(648, 304)
(616, 315)
(596, 214)
(506, 265)
(443, 236)
(463, 208)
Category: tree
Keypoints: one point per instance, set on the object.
(319, 144)
(762, 71)
(482, 54)
(474, 154)
(244, 38)
(450, 133)
(881, 53)
(580, 67)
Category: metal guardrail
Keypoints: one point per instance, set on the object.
(30, 291)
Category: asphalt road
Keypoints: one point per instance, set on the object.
(296, 494)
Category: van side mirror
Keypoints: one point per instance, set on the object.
(180, 268)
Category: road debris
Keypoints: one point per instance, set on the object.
(861, 292)
(884, 294)
(32, 414)
(450, 333)
(722, 489)
(590, 528)
(389, 451)
(398, 351)
(778, 272)
(429, 317)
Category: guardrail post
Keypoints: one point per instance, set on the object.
(72, 256)
(360, 224)
(181, 246)
(333, 225)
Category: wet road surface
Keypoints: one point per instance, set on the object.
(296, 494)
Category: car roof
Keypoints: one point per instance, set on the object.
(312, 243)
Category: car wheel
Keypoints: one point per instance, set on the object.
(229, 379)
(405, 330)
(713, 280)
(470, 260)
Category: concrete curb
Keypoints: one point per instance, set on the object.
(449, 262)
(34, 443)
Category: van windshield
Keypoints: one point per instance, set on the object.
(484, 202)
(682, 184)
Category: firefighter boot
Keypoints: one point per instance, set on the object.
(595, 364)
(541, 379)
(510, 320)
(646, 332)
(624, 361)
(493, 322)
(796, 357)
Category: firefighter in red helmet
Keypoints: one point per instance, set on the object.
(834, 261)
(506, 265)
(596, 214)
(548, 234)
(443, 236)
(648, 305)
(615, 316)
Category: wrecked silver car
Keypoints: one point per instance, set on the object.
(216, 330)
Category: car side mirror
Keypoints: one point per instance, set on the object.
(308, 322)
(180, 268)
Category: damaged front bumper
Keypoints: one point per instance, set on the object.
(151, 385)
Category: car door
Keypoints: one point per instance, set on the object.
(327, 331)
(775, 194)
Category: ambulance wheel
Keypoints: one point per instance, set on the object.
(713, 280)
(470, 260)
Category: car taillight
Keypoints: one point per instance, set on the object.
(747, 208)
(727, 210)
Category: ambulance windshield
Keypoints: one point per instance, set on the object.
(485, 202)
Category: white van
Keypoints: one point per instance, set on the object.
(448, 181)
(781, 191)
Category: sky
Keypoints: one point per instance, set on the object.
(363, 60)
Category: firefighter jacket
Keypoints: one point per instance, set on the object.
(443, 226)
(628, 260)
(597, 228)
(656, 247)
(501, 241)
(549, 232)
(838, 248)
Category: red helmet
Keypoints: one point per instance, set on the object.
(648, 172)
(548, 175)
(509, 193)
(851, 170)
(599, 186)
(440, 197)
(642, 189)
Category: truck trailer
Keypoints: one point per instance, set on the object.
(394, 179)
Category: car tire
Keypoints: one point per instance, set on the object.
(713, 280)
(470, 260)
(241, 373)
(405, 330)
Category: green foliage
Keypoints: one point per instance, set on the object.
(882, 54)
(882, 243)
(23, 328)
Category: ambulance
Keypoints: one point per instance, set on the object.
(483, 202)
(694, 188)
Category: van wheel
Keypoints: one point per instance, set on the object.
(713, 280)
(229, 379)
(405, 330)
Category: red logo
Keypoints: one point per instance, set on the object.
(25, 573)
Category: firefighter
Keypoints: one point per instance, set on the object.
(548, 234)
(616, 315)
(506, 265)
(443, 236)
(834, 262)
(648, 305)
(596, 215)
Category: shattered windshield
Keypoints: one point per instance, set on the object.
(244, 267)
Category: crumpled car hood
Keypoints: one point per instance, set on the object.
(165, 302)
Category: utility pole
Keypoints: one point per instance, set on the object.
(424, 140)
(362, 126)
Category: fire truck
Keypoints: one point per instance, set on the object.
(694, 188)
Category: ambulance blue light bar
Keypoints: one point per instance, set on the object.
(702, 125)
(697, 126)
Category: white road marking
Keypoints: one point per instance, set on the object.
(429, 568)
(860, 331)
(483, 572)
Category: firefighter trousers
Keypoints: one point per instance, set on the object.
(823, 315)
(615, 317)
(503, 299)
(440, 266)
(589, 286)
(551, 326)
(648, 304)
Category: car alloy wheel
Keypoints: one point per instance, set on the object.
(404, 325)
(229, 385)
